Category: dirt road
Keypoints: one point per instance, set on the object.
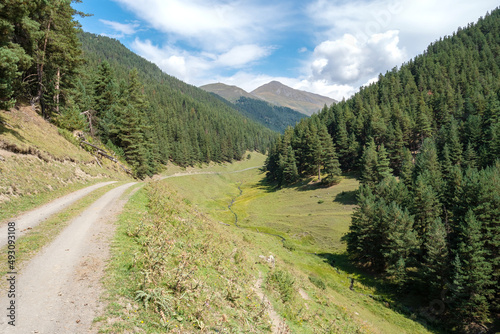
(58, 290)
(36, 216)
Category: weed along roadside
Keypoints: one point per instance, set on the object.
(190, 273)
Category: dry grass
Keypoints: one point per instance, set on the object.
(37, 164)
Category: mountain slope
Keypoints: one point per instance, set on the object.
(230, 93)
(425, 139)
(302, 101)
(185, 124)
(271, 116)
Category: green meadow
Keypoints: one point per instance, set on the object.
(301, 226)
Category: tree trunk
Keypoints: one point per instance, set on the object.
(319, 172)
(39, 70)
(58, 81)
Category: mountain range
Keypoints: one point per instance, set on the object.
(275, 93)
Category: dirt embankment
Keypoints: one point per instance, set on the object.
(36, 158)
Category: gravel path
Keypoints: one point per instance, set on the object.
(36, 216)
(58, 291)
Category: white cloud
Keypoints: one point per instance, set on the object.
(419, 22)
(210, 25)
(193, 67)
(357, 40)
(348, 42)
(348, 61)
(123, 28)
(242, 55)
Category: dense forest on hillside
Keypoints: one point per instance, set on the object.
(274, 117)
(425, 140)
(186, 124)
(84, 81)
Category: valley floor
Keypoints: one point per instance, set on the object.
(288, 240)
(208, 249)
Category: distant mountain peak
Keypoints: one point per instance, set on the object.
(305, 102)
(275, 93)
(229, 92)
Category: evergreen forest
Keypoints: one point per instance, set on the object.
(425, 142)
(274, 117)
(87, 82)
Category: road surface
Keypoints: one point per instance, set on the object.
(58, 291)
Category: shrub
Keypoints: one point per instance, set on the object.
(68, 136)
(283, 282)
(289, 245)
(318, 282)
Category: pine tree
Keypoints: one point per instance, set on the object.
(315, 151)
(383, 169)
(397, 148)
(363, 238)
(57, 53)
(426, 206)
(475, 273)
(369, 175)
(342, 141)
(446, 163)
(105, 96)
(453, 143)
(427, 161)
(131, 140)
(329, 159)
(435, 269)
(401, 241)
(406, 170)
(290, 172)
(469, 157)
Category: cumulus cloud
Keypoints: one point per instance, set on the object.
(348, 60)
(193, 67)
(343, 44)
(419, 22)
(123, 28)
(213, 25)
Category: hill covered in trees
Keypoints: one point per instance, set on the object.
(425, 140)
(185, 123)
(84, 81)
(274, 117)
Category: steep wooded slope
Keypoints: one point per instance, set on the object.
(435, 123)
(185, 123)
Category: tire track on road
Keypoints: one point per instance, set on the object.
(34, 217)
(58, 290)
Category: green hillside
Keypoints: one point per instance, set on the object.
(271, 116)
(187, 124)
(87, 82)
(425, 141)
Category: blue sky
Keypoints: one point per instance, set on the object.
(327, 47)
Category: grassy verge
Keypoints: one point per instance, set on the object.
(173, 270)
(42, 234)
(26, 203)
